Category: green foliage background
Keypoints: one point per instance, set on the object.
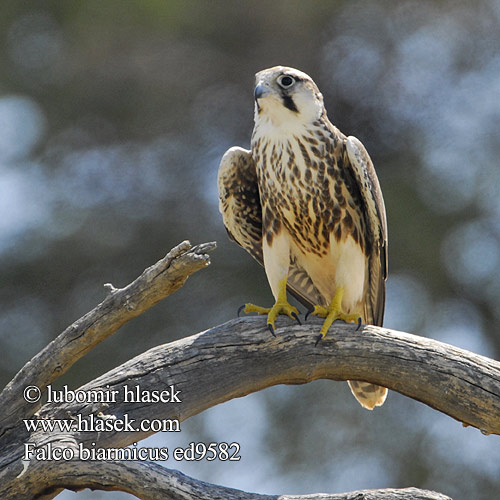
(113, 117)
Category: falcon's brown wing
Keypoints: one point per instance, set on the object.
(239, 204)
(239, 200)
(376, 224)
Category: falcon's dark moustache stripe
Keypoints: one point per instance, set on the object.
(288, 103)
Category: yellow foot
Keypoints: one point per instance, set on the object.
(272, 312)
(332, 313)
(281, 307)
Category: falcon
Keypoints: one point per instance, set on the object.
(306, 203)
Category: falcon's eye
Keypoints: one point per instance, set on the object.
(286, 81)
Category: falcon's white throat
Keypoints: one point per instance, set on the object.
(272, 117)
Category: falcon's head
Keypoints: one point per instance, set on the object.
(286, 96)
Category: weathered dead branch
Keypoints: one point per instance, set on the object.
(119, 307)
(150, 481)
(227, 361)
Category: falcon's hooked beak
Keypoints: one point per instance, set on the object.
(260, 91)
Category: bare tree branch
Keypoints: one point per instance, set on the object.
(240, 357)
(150, 481)
(227, 361)
(119, 307)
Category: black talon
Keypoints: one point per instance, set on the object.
(309, 311)
(359, 324)
(241, 309)
(318, 339)
(294, 315)
(271, 329)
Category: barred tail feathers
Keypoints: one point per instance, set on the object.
(368, 395)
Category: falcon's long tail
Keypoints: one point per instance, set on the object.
(369, 395)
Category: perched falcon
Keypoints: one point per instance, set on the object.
(306, 203)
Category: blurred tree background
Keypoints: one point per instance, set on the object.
(113, 118)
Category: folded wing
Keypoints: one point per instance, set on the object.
(239, 204)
